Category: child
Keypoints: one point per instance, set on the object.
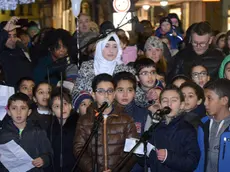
(199, 74)
(175, 139)
(25, 85)
(146, 76)
(210, 134)
(194, 102)
(81, 102)
(42, 114)
(113, 131)
(32, 139)
(166, 29)
(224, 71)
(70, 118)
(179, 79)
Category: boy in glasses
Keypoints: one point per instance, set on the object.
(146, 75)
(115, 127)
(199, 74)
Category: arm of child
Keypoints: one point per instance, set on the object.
(189, 157)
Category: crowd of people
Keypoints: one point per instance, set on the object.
(115, 84)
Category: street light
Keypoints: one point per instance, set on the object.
(164, 3)
(146, 7)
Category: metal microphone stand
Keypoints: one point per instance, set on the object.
(144, 138)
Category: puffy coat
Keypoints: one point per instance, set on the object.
(33, 140)
(180, 140)
(112, 134)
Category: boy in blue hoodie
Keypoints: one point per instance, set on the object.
(215, 128)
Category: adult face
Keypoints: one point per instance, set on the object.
(84, 22)
(60, 51)
(200, 43)
(12, 38)
(154, 53)
(221, 43)
(110, 50)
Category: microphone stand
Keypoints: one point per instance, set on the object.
(94, 132)
(144, 137)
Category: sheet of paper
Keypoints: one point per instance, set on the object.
(5, 93)
(131, 142)
(14, 158)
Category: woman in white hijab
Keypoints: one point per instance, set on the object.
(107, 59)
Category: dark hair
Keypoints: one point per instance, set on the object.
(198, 90)
(53, 36)
(195, 65)
(37, 85)
(220, 87)
(226, 48)
(127, 76)
(19, 96)
(104, 77)
(19, 82)
(177, 77)
(202, 28)
(56, 92)
(172, 88)
(142, 63)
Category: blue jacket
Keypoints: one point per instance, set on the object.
(203, 140)
(180, 139)
(174, 40)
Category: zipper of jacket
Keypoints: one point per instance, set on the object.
(105, 146)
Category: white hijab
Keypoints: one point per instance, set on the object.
(101, 65)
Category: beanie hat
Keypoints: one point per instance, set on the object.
(106, 26)
(165, 19)
(217, 37)
(223, 65)
(78, 98)
(153, 41)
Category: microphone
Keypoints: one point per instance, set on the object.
(161, 113)
(102, 108)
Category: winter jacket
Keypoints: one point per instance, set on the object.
(180, 139)
(14, 63)
(67, 141)
(33, 140)
(174, 40)
(203, 139)
(112, 134)
(186, 58)
(86, 75)
(223, 65)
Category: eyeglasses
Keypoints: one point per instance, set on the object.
(101, 91)
(201, 74)
(145, 73)
(200, 44)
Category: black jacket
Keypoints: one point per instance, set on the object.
(186, 58)
(14, 62)
(67, 144)
(33, 140)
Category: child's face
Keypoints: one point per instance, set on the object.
(42, 95)
(154, 53)
(104, 93)
(165, 27)
(84, 105)
(178, 82)
(191, 99)
(26, 87)
(200, 75)
(19, 111)
(171, 99)
(212, 102)
(147, 77)
(227, 71)
(67, 107)
(125, 92)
